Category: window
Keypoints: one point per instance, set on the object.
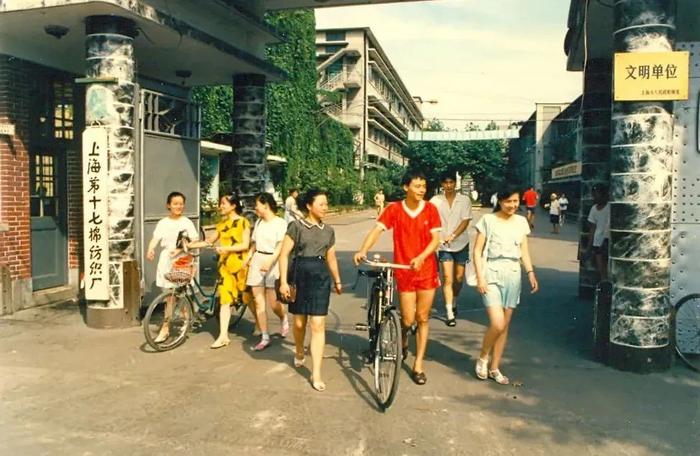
(332, 49)
(63, 110)
(44, 195)
(334, 68)
(338, 35)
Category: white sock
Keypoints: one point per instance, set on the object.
(265, 336)
(450, 311)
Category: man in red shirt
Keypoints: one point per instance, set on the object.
(416, 225)
(530, 197)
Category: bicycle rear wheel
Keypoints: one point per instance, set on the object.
(387, 361)
(688, 330)
(166, 326)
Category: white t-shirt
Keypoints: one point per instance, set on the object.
(168, 229)
(290, 209)
(563, 203)
(503, 237)
(601, 219)
(267, 234)
(451, 217)
(554, 207)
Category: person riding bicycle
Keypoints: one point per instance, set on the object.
(168, 231)
(416, 225)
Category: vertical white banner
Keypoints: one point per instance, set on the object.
(95, 213)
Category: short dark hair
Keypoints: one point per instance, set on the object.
(234, 201)
(448, 175)
(309, 198)
(172, 195)
(267, 198)
(293, 189)
(506, 192)
(601, 189)
(410, 175)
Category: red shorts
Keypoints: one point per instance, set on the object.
(409, 281)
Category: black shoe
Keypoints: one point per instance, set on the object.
(451, 322)
(454, 311)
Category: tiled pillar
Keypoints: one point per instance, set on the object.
(641, 166)
(595, 153)
(244, 170)
(109, 105)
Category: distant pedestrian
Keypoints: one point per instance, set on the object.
(263, 270)
(474, 195)
(530, 197)
(291, 210)
(494, 200)
(168, 231)
(379, 201)
(599, 230)
(311, 268)
(455, 212)
(563, 207)
(500, 246)
(233, 235)
(554, 212)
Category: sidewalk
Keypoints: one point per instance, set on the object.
(67, 389)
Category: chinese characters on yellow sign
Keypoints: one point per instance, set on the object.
(651, 76)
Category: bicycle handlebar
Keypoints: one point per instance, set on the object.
(383, 264)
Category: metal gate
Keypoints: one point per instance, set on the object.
(167, 160)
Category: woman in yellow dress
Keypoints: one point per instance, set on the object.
(233, 234)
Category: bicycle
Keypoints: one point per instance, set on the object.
(191, 306)
(687, 331)
(384, 327)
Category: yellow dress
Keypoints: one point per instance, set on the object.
(232, 274)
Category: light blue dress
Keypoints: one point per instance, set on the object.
(502, 251)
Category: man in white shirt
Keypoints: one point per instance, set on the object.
(599, 231)
(291, 211)
(563, 207)
(455, 214)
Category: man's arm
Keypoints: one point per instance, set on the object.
(368, 243)
(417, 262)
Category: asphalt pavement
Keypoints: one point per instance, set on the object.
(70, 390)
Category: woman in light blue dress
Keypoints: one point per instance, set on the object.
(501, 245)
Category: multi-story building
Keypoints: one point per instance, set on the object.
(370, 97)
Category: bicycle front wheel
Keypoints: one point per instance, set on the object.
(688, 330)
(167, 321)
(387, 361)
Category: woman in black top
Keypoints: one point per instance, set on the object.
(313, 265)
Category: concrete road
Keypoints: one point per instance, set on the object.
(70, 390)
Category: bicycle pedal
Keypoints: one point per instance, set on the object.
(361, 327)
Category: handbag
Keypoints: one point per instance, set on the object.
(470, 270)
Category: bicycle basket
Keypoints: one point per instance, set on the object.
(181, 271)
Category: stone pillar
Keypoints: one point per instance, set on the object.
(641, 166)
(244, 170)
(109, 105)
(595, 154)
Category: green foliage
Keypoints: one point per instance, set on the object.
(216, 103)
(484, 161)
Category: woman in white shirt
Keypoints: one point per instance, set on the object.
(263, 271)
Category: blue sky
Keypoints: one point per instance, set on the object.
(481, 59)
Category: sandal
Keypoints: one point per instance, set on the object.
(481, 369)
(498, 377)
(262, 345)
(221, 344)
(419, 378)
(162, 337)
(318, 386)
(299, 362)
(451, 322)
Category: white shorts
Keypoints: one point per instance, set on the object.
(257, 278)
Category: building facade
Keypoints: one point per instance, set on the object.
(97, 127)
(367, 94)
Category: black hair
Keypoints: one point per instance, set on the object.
(602, 189)
(411, 175)
(172, 195)
(309, 198)
(293, 189)
(234, 201)
(448, 175)
(266, 198)
(504, 193)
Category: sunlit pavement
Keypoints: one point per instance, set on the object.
(70, 390)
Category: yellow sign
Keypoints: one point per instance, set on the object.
(572, 169)
(651, 76)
